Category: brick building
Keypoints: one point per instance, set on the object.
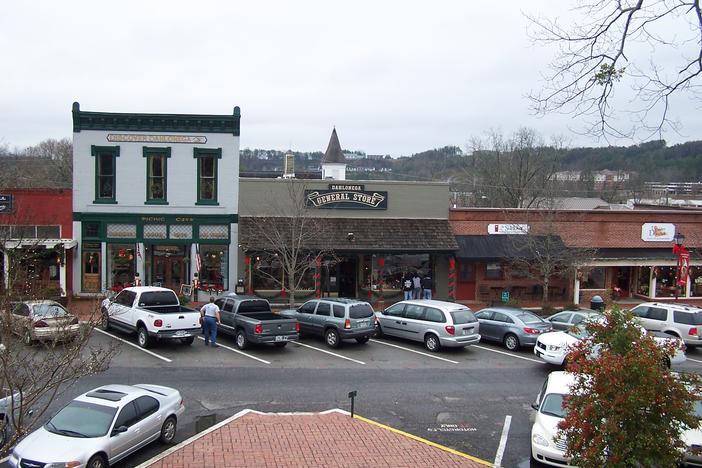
(36, 241)
(632, 253)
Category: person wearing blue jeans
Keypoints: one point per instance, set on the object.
(210, 319)
(407, 287)
(426, 286)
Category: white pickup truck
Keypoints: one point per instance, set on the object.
(152, 313)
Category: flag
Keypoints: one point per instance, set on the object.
(198, 259)
(139, 252)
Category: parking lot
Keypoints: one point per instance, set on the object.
(475, 400)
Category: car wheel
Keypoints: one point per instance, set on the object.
(331, 337)
(511, 342)
(97, 461)
(143, 337)
(168, 431)
(3, 435)
(431, 342)
(27, 338)
(280, 344)
(104, 321)
(241, 341)
(187, 341)
(378, 330)
(363, 339)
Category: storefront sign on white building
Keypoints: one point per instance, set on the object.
(658, 232)
(508, 229)
(132, 138)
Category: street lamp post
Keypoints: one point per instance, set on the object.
(683, 262)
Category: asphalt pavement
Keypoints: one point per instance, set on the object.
(475, 400)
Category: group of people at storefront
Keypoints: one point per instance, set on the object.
(415, 286)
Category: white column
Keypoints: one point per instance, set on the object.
(103, 266)
(688, 286)
(140, 261)
(77, 258)
(652, 284)
(62, 276)
(6, 269)
(576, 291)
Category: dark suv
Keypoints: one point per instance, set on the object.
(335, 319)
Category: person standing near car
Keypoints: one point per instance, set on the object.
(416, 286)
(407, 286)
(426, 286)
(210, 318)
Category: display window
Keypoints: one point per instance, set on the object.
(214, 267)
(121, 266)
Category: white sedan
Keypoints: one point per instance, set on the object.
(554, 347)
(102, 426)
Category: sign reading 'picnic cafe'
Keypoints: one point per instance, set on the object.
(343, 196)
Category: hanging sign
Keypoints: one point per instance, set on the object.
(5, 203)
(508, 229)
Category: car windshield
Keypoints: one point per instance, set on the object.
(554, 405)
(578, 331)
(82, 419)
(698, 409)
(360, 311)
(49, 310)
(529, 319)
(463, 316)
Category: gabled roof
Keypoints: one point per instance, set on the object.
(334, 155)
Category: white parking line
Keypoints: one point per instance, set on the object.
(238, 352)
(694, 360)
(415, 351)
(133, 345)
(328, 352)
(503, 442)
(509, 354)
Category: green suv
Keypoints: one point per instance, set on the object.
(335, 319)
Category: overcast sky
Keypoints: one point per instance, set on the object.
(394, 77)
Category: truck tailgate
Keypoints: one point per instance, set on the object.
(177, 320)
(282, 326)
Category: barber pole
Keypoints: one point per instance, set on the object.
(247, 277)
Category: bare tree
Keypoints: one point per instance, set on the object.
(651, 47)
(33, 375)
(290, 236)
(512, 172)
(541, 253)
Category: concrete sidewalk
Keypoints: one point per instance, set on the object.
(330, 439)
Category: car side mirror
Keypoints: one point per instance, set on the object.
(30, 413)
(119, 430)
(535, 406)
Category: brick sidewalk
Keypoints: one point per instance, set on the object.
(329, 439)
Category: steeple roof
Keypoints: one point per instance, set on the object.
(334, 155)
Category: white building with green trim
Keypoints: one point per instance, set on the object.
(155, 200)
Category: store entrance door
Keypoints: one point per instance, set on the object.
(169, 267)
(346, 274)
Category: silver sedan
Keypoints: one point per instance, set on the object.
(102, 426)
(511, 327)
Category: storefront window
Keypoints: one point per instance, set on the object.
(643, 281)
(696, 281)
(267, 272)
(665, 282)
(594, 279)
(121, 266)
(493, 271)
(398, 266)
(214, 271)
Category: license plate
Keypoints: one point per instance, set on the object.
(281, 338)
(467, 331)
(182, 333)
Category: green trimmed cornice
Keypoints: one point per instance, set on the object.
(189, 123)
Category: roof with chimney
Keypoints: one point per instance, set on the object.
(334, 155)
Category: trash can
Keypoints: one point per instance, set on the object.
(597, 303)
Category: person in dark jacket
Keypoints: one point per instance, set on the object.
(407, 286)
(427, 286)
(416, 286)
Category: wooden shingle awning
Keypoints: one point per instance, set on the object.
(369, 234)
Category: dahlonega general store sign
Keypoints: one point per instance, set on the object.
(347, 196)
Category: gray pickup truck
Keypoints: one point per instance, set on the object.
(250, 320)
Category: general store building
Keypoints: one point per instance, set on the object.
(155, 199)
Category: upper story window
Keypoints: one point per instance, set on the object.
(105, 173)
(207, 175)
(30, 232)
(156, 175)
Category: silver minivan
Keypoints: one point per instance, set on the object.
(436, 323)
